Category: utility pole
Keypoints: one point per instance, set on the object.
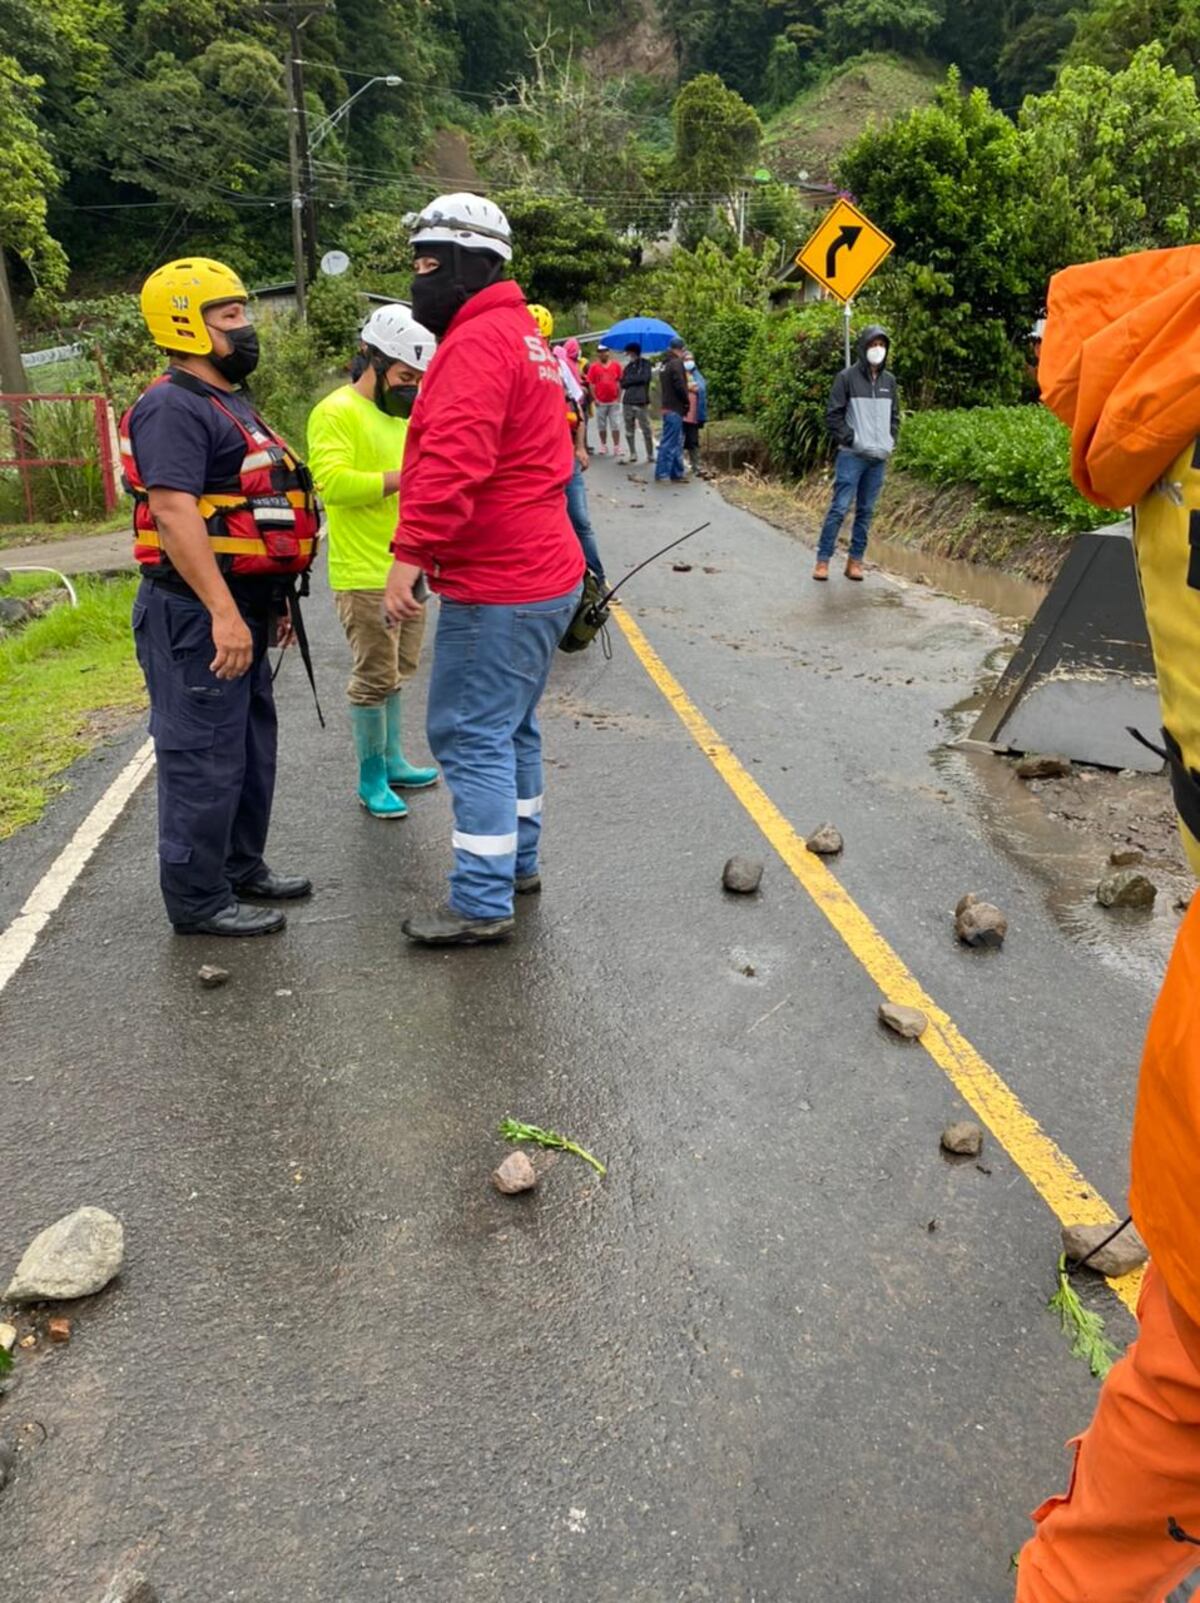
(294, 15)
(13, 379)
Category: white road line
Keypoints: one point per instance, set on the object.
(48, 894)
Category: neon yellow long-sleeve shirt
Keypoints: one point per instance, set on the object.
(351, 445)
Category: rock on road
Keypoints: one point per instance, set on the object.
(786, 1351)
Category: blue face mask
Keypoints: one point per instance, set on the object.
(691, 366)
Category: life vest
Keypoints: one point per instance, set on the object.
(1166, 534)
(264, 522)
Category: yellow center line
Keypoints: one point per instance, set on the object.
(1045, 1165)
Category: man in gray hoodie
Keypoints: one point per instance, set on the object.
(863, 417)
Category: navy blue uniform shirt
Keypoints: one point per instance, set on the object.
(182, 442)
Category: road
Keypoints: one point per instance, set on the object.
(785, 1352)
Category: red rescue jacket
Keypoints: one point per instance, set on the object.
(486, 462)
(265, 522)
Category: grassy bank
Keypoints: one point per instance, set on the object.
(946, 522)
(66, 679)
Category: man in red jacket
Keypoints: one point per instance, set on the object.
(483, 515)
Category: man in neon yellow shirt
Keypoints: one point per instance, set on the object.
(355, 447)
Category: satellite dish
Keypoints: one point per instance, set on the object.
(334, 263)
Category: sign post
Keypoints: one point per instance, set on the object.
(842, 255)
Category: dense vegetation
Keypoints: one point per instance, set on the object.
(997, 143)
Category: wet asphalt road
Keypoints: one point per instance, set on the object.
(338, 1368)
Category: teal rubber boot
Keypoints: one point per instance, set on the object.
(400, 771)
(370, 739)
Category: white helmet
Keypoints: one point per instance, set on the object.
(466, 220)
(395, 331)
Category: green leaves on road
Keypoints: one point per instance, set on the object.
(1085, 1328)
(514, 1130)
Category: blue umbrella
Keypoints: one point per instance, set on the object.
(651, 333)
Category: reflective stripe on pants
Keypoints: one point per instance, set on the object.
(490, 665)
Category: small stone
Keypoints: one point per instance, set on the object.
(8, 1462)
(8, 1338)
(210, 976)
(1125, 887)
(129, 1586)
(964, 1139)
(909, 1022)
(1043, 766)
(75, 1257)
(681, 567)
(516, 1173)
(59, 1330)
(12, 611)
(1126, 856)
(1124, 1253)
(28, 1341)
(743, 875)
(981, 924)
(824, 841)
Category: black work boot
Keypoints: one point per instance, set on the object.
(528, 884)
(268, 886)
(448, 927)
(237, 919)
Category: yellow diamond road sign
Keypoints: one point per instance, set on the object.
(845, 250)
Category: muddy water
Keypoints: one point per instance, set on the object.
(1069, 862)
(1006, 594)
(1029, 824)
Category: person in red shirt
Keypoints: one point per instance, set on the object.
(483, 516)
(604, 379)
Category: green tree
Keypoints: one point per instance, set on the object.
(1118, 155)
(955, 185)
(903, 25)
(29, 177)
(693, 287)
(562, 250)
(717, 137)
(1111, 32)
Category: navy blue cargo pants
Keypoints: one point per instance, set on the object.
(214, 740)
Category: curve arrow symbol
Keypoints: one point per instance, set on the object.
(845, 241)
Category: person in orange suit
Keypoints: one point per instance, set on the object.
(1120, 365)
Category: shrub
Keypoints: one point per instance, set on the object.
(1017, 456)
(720, 348)
(292, 375)
(733, 442)
(790, 366)
(336, 312)
(692, 287)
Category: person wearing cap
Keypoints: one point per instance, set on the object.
(483, 515)
(225, 526)
(356, 441)
(676, 401)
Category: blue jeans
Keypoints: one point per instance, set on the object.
(669, 462)
(214, 741)
(577, 511)
(854, 473)
(490, 666)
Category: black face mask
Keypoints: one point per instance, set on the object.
(242, 359)
(435, 299)
(397, 400)
(437, 296)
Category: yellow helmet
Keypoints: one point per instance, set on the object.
(544, 318)
(174, 298)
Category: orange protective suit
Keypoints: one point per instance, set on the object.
(1121, 366)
